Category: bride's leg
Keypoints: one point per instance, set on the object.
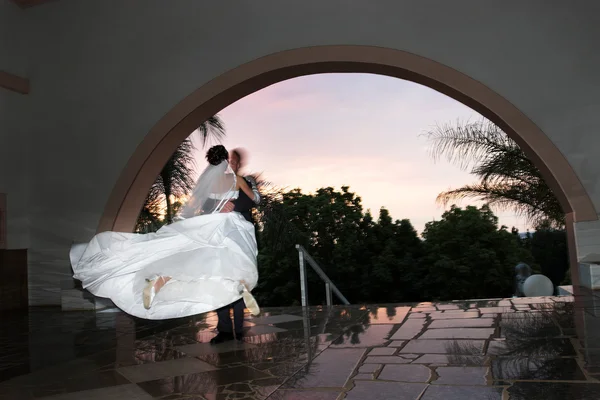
(160, 282)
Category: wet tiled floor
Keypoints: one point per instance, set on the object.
(526, 348)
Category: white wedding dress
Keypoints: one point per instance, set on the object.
(205, 256)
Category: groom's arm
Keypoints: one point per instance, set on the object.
(254, 188)
(244, 203)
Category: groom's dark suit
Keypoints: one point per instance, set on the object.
(244, 205)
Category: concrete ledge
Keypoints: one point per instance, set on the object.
(565, 290)
(589, 300)
(589, 275)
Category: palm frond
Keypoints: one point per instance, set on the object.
(213, 129)
(469, 143)
(508, 180)
(534, 205)
(177, 174)
(148, 221)
(511, 165)
(150, 218)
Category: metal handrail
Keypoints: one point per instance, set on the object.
(329, 286)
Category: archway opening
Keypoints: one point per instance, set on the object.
(128, 194)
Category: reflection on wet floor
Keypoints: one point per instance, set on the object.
(526, 348)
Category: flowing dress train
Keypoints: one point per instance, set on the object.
(206, 258)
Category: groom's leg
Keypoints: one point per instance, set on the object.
(224, 323)
(223, 326)
(238, 317)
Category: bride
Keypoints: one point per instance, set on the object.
(203, 261)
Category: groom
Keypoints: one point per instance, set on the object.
(244, 205)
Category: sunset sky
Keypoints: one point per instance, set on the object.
(358, 130)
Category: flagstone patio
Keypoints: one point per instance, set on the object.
(525, 348)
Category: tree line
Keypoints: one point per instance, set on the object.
(375, 259)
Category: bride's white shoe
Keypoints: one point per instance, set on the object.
(249, 300)
(150, 289)
(149, 292)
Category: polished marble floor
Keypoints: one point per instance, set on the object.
(525, 348)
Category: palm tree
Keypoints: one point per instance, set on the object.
(150, 219)
(508, 180)
(176, 178)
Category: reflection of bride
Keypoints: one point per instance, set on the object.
(204, 261)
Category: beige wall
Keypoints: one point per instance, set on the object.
(103, 72)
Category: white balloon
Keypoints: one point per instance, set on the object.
(538, 285)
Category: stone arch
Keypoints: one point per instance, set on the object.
(129, 192)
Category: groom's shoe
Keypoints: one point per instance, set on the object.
(222, 337)
(239, 336)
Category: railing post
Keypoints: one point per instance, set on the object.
(330, 287)
(303, 286)
(306, 325)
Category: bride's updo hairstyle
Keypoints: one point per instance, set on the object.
(217, 154)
